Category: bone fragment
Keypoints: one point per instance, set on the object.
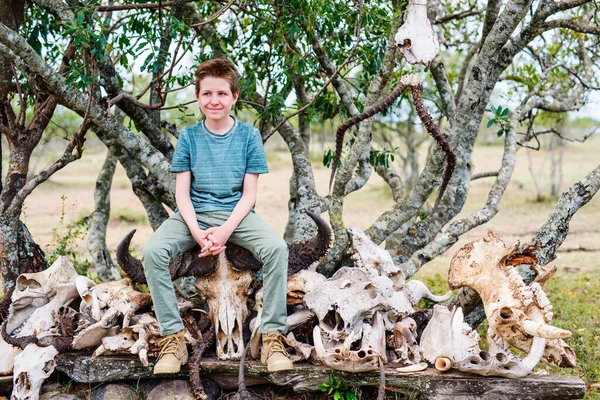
(443, 364)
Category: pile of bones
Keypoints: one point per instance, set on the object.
(357, 320)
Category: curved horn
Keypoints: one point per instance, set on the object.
(303, 254)
(131, 265)
(185, 264)
(21, 342)
(417, 290)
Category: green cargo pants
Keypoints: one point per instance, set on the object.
(173, 237)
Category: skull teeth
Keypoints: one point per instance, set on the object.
(527, 302)
(515, 278)
(526, 292)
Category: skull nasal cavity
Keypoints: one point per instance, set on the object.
(506, 313)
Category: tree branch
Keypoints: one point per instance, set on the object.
(463, 225)
(553, 233)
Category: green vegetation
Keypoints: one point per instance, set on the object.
(338, 389)
(66, 239)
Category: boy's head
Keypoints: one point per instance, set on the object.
(218, 68)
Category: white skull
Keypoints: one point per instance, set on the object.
(518, 313)
(342, 304)
(36, 289)
(32, 367)
(7, 359)
(226, 292)
(109, 300)
(415, 38)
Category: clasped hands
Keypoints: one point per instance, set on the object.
(212, 241)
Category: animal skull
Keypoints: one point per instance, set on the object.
(35, 290)
(373, 259)
(448, 341)
(32, 367)
(8, 357)
(342, 304)
(517, 313)
(415, 38)
(224, 280)
(226, 292)
(108, 301)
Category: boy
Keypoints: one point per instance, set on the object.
(217, 162)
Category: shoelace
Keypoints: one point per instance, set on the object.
(167, 345)
(275, 345)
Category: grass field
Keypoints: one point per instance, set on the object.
(574, 291)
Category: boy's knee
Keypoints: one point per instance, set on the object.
(277, 248)
(152, 254)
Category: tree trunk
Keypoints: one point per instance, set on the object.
(19, 253)
(96, 243)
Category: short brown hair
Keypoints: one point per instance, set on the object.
(218, 68)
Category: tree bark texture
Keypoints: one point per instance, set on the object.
(96, 242)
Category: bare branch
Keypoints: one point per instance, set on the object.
(484, 175)
(553, 233)
(457, 16)
(572, 25)
(214, 16)
(463, 225)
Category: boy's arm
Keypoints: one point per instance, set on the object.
(183, 182)
(220, 234)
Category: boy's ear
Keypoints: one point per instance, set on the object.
(235, 97)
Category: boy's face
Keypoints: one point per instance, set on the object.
(215, 98)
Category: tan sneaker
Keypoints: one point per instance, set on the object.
(273, 352)
(173, 354)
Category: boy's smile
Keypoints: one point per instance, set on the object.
(216, 101)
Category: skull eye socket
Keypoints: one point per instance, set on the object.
(49, 366)
(506, 313)
(24, 283)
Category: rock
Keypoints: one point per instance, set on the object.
(171, 389)
(58, 396)
(115, 391)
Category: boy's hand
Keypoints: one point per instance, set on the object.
(218, 235)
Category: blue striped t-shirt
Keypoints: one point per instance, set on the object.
(218, 163)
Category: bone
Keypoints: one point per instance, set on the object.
(31, 369)
(42, 320)
(443, 364)
(535, 353)
(515, 312)
(8, 357)
(415, 38)
(35, 290)
(545, 331)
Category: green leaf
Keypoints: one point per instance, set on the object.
(500, 132)
(499, 110)
(337, 396)
(323, 387)
(491, 122)
(504, 112)
(351, 396)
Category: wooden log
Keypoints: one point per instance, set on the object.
(430, 384)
